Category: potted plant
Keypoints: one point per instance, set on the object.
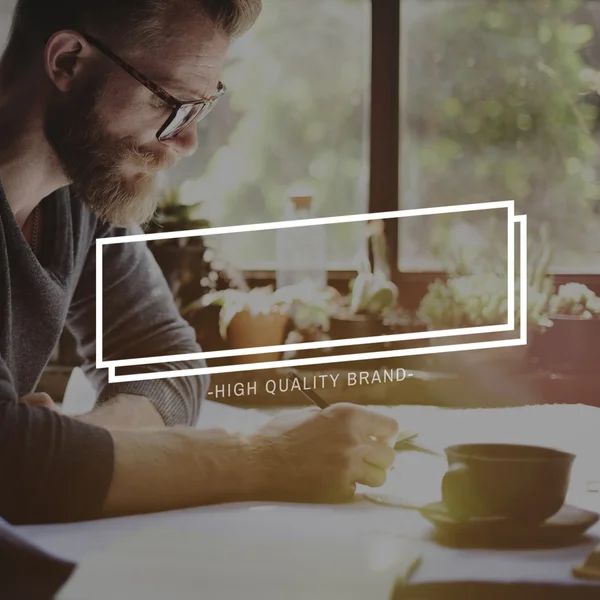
(249, 319)
(310, 313)
(479, 299)
(372, 295)
(568, 335)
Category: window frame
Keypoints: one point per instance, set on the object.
(384, 156)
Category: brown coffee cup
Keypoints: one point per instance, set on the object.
(527, 484)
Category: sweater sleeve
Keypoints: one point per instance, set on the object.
(52, 468)
(140, 320)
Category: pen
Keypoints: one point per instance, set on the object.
(310, 394)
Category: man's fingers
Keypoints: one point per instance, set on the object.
(365, 422)
(380, 427)
(373, 462)
(379, 455)
(40, 399)
(371, 476)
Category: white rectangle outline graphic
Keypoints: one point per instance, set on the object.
(520, 341)
(509, 326)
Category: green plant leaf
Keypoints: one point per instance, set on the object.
(578, 35)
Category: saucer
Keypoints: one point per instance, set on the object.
(568, 524)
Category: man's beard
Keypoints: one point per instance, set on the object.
(93, 160)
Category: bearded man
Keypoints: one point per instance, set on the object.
(96, 97)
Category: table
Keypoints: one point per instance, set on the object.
(357, 550)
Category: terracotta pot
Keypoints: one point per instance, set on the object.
(251, 331)
(356, 326)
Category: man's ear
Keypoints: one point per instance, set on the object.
(66, 55)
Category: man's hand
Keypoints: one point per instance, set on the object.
(320, 455)
(40, 399)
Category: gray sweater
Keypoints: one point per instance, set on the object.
(53, 468)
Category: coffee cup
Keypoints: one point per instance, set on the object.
(525, 484)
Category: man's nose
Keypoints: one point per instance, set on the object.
(186, 143)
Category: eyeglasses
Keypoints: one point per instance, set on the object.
(183, 113)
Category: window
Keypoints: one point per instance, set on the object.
(496, 104)
(296, 114)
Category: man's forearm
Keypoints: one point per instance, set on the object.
(313, 455)
(180, 467)
(124, 411)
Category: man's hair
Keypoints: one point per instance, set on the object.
(130, 23)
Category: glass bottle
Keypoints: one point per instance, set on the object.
(301, 251)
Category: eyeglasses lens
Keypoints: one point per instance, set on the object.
(186, 115)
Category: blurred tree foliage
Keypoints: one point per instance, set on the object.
(496, 110)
